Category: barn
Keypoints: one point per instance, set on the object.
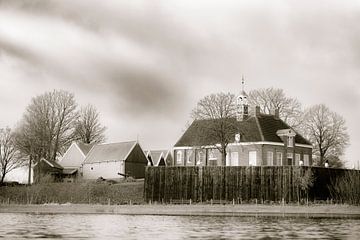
(73, 159)
(115, 160)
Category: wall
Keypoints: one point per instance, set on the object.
(73, 158)
(107, 170)
(136, 162)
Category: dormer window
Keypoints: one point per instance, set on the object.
(290, 142)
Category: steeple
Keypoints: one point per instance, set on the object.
(242, 103)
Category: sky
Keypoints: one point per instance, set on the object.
(145, 64)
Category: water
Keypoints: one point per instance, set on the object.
(103, 226)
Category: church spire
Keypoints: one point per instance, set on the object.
(242, 102)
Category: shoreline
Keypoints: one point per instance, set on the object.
(312, 211)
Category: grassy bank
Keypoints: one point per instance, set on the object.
(77, 193)
(329, 211)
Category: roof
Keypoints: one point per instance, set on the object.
(254, 129)
(110, 152)
(84, 147)
(51, 163)
(156, 155)
(69, 171)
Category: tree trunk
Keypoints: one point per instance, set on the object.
(29, 177)
(223, 157)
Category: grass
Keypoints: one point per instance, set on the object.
(77, 193)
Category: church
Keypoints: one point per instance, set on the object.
(259, 140)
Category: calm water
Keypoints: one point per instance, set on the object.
(70, 226)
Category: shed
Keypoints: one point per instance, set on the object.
(115, 160)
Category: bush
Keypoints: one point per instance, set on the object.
(347, 188)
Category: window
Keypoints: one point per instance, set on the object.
(212, 157)
(279, 158)
(290, 159)
(179, 157)
(234, 159)
(297, 159)
(212, 154)
(252, 158)
(290, 142)
(189, 157)
(201, 158)
(270, 158)
(306, 160)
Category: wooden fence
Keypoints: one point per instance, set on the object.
(238, 184)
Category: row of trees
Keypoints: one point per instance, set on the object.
(325, 129)
(50, 123)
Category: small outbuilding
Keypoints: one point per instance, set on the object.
(45, 168)
(159, 157)
(115, 160)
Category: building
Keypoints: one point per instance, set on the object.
(73, 159)
(259, 140)
(47, 168)
(115, 160)
(159, 157)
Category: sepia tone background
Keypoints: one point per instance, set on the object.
(144, 65)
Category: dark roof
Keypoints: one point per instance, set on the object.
(253, 129)
(52, 163)
(156, 154)
(110, 152)
(84, 147)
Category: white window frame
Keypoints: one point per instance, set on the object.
(279, 157)
(250, 162)
(212, 155)
(306, 159)
(234, 159)
(179, 157)
(189, 153)
(270, 158)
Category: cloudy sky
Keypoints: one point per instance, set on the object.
(145, 64)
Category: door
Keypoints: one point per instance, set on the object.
(252, 158)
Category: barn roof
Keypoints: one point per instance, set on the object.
(110, 152)
(84, 147)
(156, 155)
(258, 128)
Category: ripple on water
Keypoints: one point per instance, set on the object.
(174, 227)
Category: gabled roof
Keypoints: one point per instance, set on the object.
(258, 128)
(51, 163)
(110, 152)
(156, 155)
(84, 147)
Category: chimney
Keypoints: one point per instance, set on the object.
(277, 113)
(257, 111)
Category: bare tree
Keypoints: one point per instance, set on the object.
(326, 130)
(269, 99)
(88, 128)
(218, 111)
(47, 127)
(10, 157)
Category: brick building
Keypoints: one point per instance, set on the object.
(259, 140)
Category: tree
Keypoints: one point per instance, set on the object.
(10, 157)
(219, 111)
(88, 128)
(327, 131)
(269, 99)
(47, 127)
